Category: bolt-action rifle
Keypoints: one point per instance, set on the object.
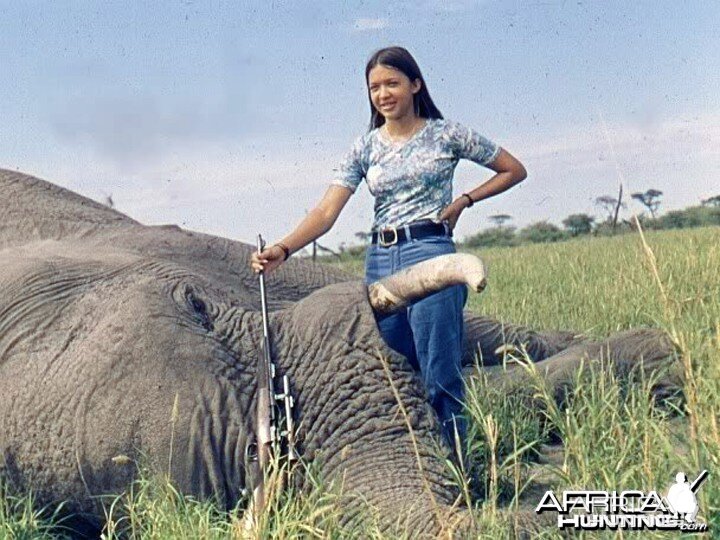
(267, 419)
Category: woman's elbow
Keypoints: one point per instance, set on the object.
(519, 173)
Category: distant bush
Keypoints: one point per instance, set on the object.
(541, 232)
(712, 201)
(353, 251)
(493, 237)
(577, 224)
(678, 219)
(694, 216)
(606, 228)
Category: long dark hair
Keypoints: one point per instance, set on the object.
(400, 59)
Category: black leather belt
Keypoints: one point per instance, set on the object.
(420, 229)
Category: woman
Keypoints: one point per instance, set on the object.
(407, 159)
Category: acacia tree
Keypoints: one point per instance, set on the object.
(610, 205)
(500, 219)
(650, 199)
(578, 224)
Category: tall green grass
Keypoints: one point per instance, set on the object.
(610, 435)
(20, 517)
(613, 435)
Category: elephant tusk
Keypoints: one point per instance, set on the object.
(395, 292)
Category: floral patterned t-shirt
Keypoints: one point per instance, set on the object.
(412, 179)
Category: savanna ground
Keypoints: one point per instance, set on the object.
(612, 435)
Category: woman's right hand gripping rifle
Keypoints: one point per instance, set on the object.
(318, 221)
(268, 260)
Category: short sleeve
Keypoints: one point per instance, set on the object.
(351, 171)
(469, 144)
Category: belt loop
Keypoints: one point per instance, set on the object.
(408, 237)
(446, 227)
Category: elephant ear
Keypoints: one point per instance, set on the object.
(33, 209)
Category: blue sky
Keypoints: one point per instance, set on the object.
(229, 117)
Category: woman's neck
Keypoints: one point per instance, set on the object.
(402, 128)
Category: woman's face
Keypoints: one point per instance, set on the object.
(391, 92)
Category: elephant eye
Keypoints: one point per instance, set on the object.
(199, 309)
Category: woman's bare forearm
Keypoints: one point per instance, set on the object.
(319, 220)
(509, 172)
(315, 224)
(502, 181)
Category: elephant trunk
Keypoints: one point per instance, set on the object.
(395, 292)
(403, 488)
(362, 414)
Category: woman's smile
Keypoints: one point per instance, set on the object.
(391, 91)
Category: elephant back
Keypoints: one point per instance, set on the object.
(33, 209)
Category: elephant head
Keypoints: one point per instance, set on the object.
(118, 339)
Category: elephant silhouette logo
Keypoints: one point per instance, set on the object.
(681, 496)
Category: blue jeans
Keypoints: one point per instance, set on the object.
(429, 333)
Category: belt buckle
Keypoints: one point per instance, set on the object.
(381, 237)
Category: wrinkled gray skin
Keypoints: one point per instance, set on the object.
(105, 322)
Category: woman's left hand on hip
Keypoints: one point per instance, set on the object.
(452, 212)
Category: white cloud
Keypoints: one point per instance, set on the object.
(568, 169)
(201, 172)
(695, 137)
(230, 188)
(366, 24)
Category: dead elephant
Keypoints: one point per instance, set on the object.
(106, 324)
